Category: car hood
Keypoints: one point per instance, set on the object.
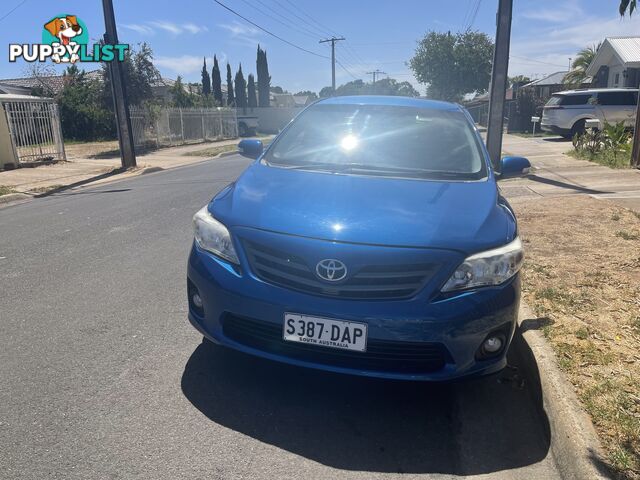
(465, 216)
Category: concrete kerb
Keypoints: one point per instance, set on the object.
(575, 445)
(109, 177)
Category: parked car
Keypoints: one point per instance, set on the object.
(369, 238)
(247, 124)
(566, 112)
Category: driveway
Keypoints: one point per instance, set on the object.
(558, 174)
(103, 377)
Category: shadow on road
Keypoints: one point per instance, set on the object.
(354, 423)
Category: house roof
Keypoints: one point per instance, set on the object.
(625, 50)
(553, 79)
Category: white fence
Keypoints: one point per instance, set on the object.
(179, 126)
(34, 128)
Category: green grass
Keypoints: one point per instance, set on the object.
(606, 158)
(212, 151)
(6, 190)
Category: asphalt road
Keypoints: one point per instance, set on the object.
(101, 375)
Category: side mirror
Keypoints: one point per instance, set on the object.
(511, 167)
(250, 148)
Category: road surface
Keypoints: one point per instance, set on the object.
(103, 377)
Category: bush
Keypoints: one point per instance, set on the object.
(610, 146)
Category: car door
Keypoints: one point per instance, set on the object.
(617, 106)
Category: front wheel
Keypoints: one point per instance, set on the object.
(243, 131)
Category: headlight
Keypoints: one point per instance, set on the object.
(213, 236)
(492, 267)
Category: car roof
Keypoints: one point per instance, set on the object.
(389, 101)
(594, 90)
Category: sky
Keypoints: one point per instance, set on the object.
(380, 34)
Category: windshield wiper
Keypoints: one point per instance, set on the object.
(363, 167)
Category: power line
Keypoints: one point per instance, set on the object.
(289, 24)
(13, 9)
(267, 31)
(532, 60)
(473, 17)
(346, 70)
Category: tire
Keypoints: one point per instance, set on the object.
(578, 127)
(243, 131)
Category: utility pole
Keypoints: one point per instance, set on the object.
(333, 41)
(498, 88)
(374, 73)
(119, 91)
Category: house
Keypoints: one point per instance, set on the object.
(617, 63)
(544, 87)
(53, 85)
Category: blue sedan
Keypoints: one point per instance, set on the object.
(369, 238)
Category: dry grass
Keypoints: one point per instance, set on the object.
(212, 151)
(4, 190)
(582, 271)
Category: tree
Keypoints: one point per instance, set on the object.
(231, 101)
(384, 86)
(264, 80)
(241, 89)
(277, 89)
(206, 80)
(252, 98)
(181, 98)
(139, 76)
(309, 93)
(82, 112)
(579, 66)
(625, 5)
(518, 81)
(216, 82)
(453, 65)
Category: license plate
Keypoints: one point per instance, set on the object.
(325, 332)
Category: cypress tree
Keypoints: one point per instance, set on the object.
(216, 82)
(206, 80)
(231, 99)
(252, 99)
(241, 89)
(264, 80)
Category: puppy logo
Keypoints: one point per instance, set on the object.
(66, 30)
(65, 39)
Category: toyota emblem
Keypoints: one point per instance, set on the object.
(331, 270)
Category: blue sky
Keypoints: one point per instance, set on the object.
(381, 34)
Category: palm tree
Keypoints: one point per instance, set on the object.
(627, 4)
(580, 64)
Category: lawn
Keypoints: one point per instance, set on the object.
(582, 274)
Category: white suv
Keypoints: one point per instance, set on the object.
(565, 112)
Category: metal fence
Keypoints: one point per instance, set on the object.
(179, 126)
(34, 127)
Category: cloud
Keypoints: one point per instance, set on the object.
(151, 27)
(546, 45)
(183, 64)
(236, 28)
(136, 27)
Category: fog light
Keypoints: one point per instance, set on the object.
(492, 345)
(197, 301)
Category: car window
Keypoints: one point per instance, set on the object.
(382, 140)
(570, 100)
(554, 100)
(617, 98)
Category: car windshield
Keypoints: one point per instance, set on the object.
(381, 140)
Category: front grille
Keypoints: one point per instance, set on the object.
(372, 282)
(381, 355)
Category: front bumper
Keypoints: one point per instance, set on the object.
(457, 324)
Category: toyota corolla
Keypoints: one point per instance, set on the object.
(369, 238)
